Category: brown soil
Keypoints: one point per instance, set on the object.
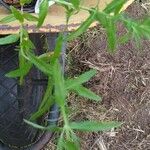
(123, 80)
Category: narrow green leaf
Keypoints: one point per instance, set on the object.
(144, 28)
(25, 33)
(75, 3)
(30, 17)
(145, 33)
(41, 111)
(58, 48)
(17, 14)
(137, 29)
(111, 35)
(69, 145)
(43, 12)
(53, 128)
(124, 38)
(76, 140)
(48, 94)
(137, 37)
(115, 6)
(83, 27)
(82, 91)
(128, 22)
(23, 2)
(46, 103)
(34, 125)
(70, 83)
(27, 44)
(8, 19)
(40, 64)
(46, 57)
(69, 13)
(9, 39)
(48, 128)
(60, 143)
(109, 23)
(93, 126)
(146, 21)
(102, 18)
(20, 72)
(59, 91)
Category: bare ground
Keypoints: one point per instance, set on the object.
(123, 80)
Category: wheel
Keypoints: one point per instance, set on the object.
(19, 102)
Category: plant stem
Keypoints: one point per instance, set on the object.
(48, 93)
(20, 56)
(66, 122)
(67, 128)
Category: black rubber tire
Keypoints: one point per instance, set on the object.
(19, 102)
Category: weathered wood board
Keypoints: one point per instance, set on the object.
(55, 20)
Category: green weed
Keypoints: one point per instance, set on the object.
(108, 18)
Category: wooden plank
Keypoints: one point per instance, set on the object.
(55, 20)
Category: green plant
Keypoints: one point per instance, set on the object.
(49, 64)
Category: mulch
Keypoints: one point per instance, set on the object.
(123, 80)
